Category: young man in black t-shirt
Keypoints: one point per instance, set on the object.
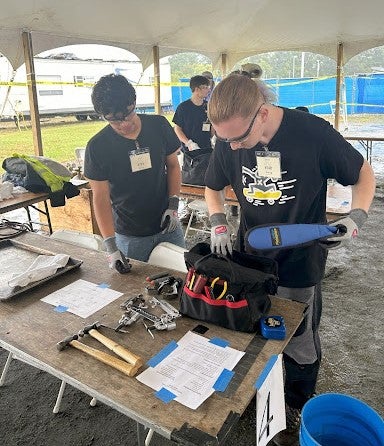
(134, 174)
(278, 162)
(192, 127)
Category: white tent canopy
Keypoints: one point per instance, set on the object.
(226, 32)
(238, 28)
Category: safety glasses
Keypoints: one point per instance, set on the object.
(245, 135)
(120, 117)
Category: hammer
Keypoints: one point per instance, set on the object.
(116, 348)
(122, 366)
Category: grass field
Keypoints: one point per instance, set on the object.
(59, 138)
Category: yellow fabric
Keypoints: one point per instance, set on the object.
(55, 182)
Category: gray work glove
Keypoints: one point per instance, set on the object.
(192, 145)
(116, 259)
(348, 228)
(170, 218)
(220, 234)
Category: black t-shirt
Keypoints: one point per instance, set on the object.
(311, 151)
(190, 118)
(138, 198)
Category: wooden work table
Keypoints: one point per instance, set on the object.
(30, 329)
(26, 200)
(197, 193)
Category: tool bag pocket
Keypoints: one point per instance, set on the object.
(230, 292)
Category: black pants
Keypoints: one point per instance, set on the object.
(301, 378)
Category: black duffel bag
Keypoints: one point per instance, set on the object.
(230, 292)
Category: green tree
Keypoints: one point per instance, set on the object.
(282, 64)
(185, 65)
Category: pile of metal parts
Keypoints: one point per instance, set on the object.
(164, 284)
(136, 308)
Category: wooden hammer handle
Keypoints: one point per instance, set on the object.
(117, 348)
(122, 366)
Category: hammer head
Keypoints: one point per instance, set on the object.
(88, 328)
(65, 342)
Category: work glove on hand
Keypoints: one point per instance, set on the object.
(220, 234)
(192, 145)
(116, 259)
(348, 228)
(170, 218)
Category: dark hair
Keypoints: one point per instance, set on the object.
(242, 72)
(196, 81)
(208, 75)
(112, 94)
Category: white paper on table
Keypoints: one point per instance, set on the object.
(270, 402)
(42, 267)
(82, 298)
(191, 369)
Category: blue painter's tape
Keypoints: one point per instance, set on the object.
(61, 308)
(260, 380)
(163, 353)
(220, 342)
(165, 395)
(103, 285)
(223, 380)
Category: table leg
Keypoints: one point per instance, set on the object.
(369, 151)
(140, 434)
(29, 218)
(46, 213)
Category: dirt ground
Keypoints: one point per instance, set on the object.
(353, 361)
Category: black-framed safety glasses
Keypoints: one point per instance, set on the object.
(120, 117)
(245, 135)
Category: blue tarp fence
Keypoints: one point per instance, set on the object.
(360, 94)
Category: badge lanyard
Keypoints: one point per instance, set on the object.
(140, 158)
(268, 164)
(206, 124)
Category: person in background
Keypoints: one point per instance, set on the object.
(253, 69)
(192, 126)
(209, 76)
(134, 174)
(278, 161)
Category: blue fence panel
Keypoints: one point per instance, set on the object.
(363, 93)
(180, 93)
(372, 98)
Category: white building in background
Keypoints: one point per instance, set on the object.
(64, 85)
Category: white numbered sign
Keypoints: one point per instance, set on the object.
(270, 406)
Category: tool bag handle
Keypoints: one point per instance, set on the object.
(215, 255)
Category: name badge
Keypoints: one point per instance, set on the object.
(140, 159)
(268, 164)
(206, 127)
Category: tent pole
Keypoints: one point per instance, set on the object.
(156, 73)
(32, 93)
(339, 74)
(224, 63)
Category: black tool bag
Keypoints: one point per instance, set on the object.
(230, 292)
(194, 166)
